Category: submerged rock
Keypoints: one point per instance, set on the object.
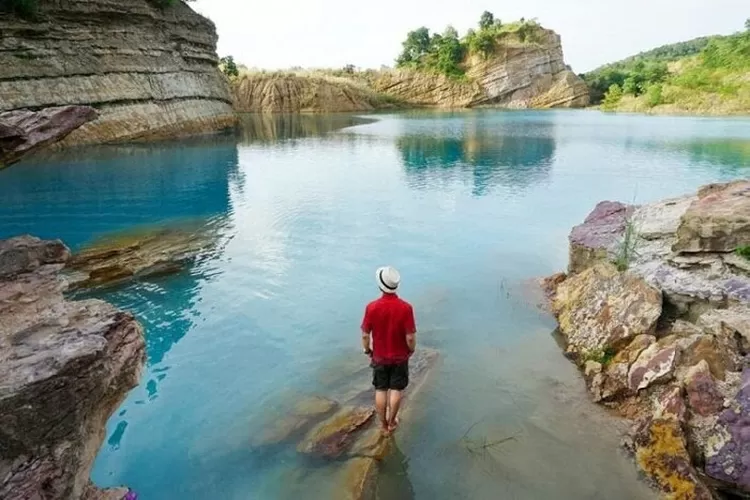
(65, 366)
(139, 254)
(24, 131)
(332, 437)
(303, 415)
(601, 309)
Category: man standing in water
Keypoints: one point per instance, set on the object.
(389, 337)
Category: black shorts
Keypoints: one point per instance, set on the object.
(394, 377)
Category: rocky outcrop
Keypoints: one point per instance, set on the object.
(150, 72)
(685, 376)
(23, 131)
(602, 310)
(518, 74)
(65, 366)
(297, 94)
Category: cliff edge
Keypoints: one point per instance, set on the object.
(520, 72)
(65, 366)
(290, 93)
(150, 72)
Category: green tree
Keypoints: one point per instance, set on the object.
(654, 95)
(747, 24)
(612, 98)
(229, 67)
(417, 45)
(486, 20)
(631, 86)
(449, 53)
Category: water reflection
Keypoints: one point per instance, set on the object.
(393, 476)
(78, 194)
(277, 127)
(517, 156)
(732, 155)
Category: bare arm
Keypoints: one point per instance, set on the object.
(365, 341)
(411, 341)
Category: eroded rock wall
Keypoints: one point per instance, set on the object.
(151, 73)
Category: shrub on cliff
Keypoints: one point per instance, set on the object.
(445, 53)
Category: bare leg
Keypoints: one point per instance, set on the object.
(395, 403)
(381, 405)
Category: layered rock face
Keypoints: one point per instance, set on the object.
(150, 72)
(65, 366)
(516, 75)
(680, 318)
(294, 94)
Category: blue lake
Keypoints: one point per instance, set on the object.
(469, 206)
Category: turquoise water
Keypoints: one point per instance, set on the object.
(470, 206)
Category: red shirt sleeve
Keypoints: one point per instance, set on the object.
(409, 325)
(367, 321)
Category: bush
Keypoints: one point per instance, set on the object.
(229, 67)
(654, 95)
(612, 98)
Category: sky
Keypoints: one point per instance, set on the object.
(279, 34)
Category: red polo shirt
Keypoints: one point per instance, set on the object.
(390, 320)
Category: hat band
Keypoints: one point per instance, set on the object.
(380, 277)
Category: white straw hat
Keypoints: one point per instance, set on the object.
(388, 279)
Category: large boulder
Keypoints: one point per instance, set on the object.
(661, 450)
(718, 221)
(23, 131)
(602, 310)
(64, 368)
(597, 238)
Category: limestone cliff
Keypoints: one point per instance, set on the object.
(518, 74)
(150, 72)
(293, 94)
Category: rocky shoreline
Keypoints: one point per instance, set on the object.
(655, 310)
(65, 366)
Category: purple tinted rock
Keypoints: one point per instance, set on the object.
(738, 288)
(729, 464)
(22, 131)
(598, 234)
(130, 495)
